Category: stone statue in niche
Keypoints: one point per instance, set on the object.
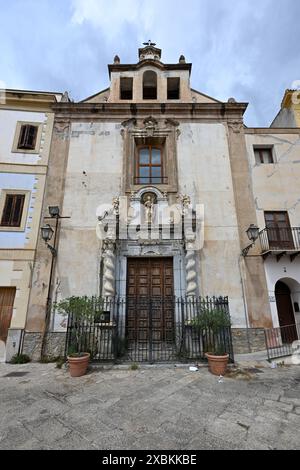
(149, 208)
(116, 205)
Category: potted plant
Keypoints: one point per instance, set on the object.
(82, 312)
(212, 326)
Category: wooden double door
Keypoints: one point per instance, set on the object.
(150, 303)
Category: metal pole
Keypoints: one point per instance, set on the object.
(49, 303)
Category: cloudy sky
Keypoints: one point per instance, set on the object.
(248, 49)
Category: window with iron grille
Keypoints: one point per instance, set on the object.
(12, 211)
(263, 155)
(27, 138)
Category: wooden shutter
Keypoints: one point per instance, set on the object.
(7, 297)
(28, 136)
(13, 209)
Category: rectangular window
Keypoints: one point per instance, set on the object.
(27, 138)
(12, 211)
(263, 155)
(126, 86)
(173, 88)
(149, 165)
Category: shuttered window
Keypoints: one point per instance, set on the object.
(263, 155)
(12, 212)
(28, 135)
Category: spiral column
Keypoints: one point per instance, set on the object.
(109, 272)
(191, 274)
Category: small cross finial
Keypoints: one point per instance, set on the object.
(149, 43)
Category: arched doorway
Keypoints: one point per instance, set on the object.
(285, 312)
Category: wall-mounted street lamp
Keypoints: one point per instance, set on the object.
(47, 233)
(253, 234)
(54, 211)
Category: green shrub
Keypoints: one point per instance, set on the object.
(134, 366)
(20, 359)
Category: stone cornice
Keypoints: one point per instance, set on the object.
(272, 130)
(103, 111)
(7, 167)
(148, 62)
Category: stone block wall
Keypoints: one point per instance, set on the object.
(55, 345)
(248, 340)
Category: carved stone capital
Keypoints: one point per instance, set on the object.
(171, 122)
(235, 126)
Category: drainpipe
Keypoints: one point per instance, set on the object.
(244, 301)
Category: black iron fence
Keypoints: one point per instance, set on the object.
(280, 238)
(279, 341)
(156, 329)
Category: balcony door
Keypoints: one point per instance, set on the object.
(279, 231)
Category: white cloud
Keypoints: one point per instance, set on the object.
(109, 16)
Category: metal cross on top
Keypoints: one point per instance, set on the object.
(149, 43)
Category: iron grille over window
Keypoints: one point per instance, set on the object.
(263, 155)
(28, 135)
(12, 212)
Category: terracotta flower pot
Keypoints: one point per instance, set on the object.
(217, 364)
(78, 365)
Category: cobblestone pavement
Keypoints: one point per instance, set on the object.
(155, 408)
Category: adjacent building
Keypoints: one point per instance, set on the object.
(26, 123)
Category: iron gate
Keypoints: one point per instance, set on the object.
(144, 329)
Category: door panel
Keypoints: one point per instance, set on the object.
(285, 312)
(150, 313)
(7, 297)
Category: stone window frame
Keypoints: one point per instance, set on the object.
(27, 194)
(19, 125)
(168, 135)
(150, 146)
(269, 148)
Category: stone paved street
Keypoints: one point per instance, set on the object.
(154, 408)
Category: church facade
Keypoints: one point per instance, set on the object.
(157, 185)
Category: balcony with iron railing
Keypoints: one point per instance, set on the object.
(280, 241)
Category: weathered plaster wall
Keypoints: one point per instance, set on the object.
(94, 174)
(252, 268)
(205, 174)
(276, 186)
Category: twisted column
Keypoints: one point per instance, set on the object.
(191, 275)
(109, 269)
